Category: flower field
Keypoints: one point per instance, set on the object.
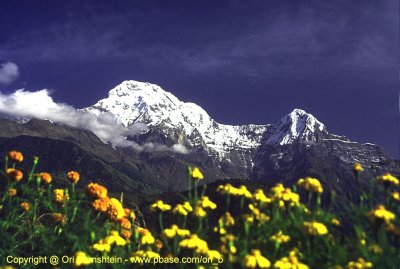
(281, 227)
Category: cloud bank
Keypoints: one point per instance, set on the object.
(40, 105)
(9, 72)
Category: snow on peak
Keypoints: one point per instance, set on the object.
(140, 102)
(298, 124)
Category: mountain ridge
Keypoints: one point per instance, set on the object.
(297, 145)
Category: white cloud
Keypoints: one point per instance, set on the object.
(8, 72)
(40, 105)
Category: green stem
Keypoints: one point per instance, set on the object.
(190, 187)
(175, 245)
(160, 221)
(228, 201)
(200, 224)
(74, 214)
(32, 171)
(241, 204)
(195, 191)
(204, 190)
(6, 164)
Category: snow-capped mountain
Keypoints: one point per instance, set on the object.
(297, 145)
(138, 102)
(298, 125)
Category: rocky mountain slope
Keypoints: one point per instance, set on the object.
(298, 145)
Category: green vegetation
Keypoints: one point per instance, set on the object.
(235, 228)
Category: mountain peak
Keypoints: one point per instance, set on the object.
(298, 124)
(140, 102)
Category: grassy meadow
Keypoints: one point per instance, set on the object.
(45, 226)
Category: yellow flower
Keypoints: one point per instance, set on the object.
(396, 196)
(388, 179)
(196, 174)
(314, 228)
(180, 210)
(277, 189)
(82, 259)
(60, 196)
(187, 206)
(374, 248)
(199, 212)
(359, 264)
(290, 198)
(280, 238)
(357, 167)
(242, 191)
(227, 189)
(115, 210)
(260, 196)
(144, 254)
(25, 206)
(248, 218)
(205, 203)
(173, 231)
(102, 247)
(310, 184)
(256, 212)
(101, 204)
(58, 217)
(214, 255)
(45, 177)
(256, 260)
(73, 176)
(15, 156)
(96, 190)
(115, 238)
(290, 262)
(220, 230)
(194, 242)
(393, 229)
(14, 174)
(226, 220)
(146, 236)
(160, 206)
(12, 192)
(381, 214)
(335, 222)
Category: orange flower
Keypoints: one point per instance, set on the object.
(126, 233)
(12, 192)
(58, 217)
(127, 212)
(15, 156)
(158, 244)
(101, 204)
(96, 190)
(14, 174)
(130, 214)
(73, 176)
(45, 177)
(125, 223)
(25, 206)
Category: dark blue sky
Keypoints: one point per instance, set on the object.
(242, 61)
